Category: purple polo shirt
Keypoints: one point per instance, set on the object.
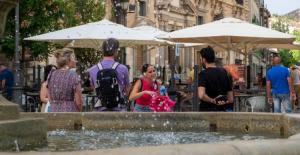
(123, 76)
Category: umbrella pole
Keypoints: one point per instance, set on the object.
(246, 64)
(195, 90)
(228, 61)
(229, 47)
(172, 68)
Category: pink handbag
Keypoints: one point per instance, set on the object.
(161, 104)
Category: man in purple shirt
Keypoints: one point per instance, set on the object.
(110, 50)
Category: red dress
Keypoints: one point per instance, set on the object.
(145, 99)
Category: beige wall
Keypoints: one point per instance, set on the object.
(178, 14)
(254, 10)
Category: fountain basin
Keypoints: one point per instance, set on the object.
(285, 125)
(281, 124)
(17, 132)
(26, 132)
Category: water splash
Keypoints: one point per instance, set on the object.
(61, 140)
(17, 146)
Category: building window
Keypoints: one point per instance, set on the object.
(200, 20)
(142, 6)
(238, 61)
(131, 8)
(218, 16)
(240, 2)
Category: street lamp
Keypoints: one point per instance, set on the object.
(124, 8)
(121, 7)
(18, 86)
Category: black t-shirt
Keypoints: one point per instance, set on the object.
(216, 82)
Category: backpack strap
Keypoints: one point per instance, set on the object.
(99, 65)
(49, 77)
(115, 65)
(156, 84)
(141, 88)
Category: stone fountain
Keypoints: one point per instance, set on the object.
(15, 132)
(19, 133)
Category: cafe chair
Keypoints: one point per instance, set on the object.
(256, 103)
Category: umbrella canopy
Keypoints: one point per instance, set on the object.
(92, 35)
(293, 46)
(150, 31)
(229, 31)
(155, 34)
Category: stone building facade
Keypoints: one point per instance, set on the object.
(170, 15)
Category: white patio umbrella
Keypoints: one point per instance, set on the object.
(293, 46)
(229, 33)
(151, 32)
(92, 35)
(155, 33)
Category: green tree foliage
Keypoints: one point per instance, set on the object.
(281, 26)
(37, 17)
(255, 20)
(288, 57)
(296, 53)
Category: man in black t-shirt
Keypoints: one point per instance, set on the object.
(215, 85)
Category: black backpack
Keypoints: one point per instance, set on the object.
(108, 90)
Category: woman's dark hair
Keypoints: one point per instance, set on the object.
(145, 67)
(208, 54)
(47, 70)
(110, 46)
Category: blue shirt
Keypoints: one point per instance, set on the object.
(8, 76)
(278, 75)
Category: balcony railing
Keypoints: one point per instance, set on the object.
(240, 2)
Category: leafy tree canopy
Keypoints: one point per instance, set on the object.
(289, 57)
(37, 17)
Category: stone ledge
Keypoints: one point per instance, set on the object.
(241, 122)
(8, 110)
(25, 131)
(274, 147)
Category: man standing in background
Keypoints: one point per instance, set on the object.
(7, 81)
(278, 78)
(295, 73)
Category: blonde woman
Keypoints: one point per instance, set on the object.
(64, 85)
